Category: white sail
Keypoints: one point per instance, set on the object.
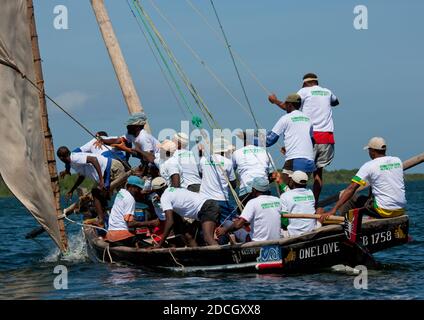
(22, 161)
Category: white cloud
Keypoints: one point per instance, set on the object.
(72, 100)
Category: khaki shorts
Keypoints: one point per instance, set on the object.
(116, 169)
(324, 154)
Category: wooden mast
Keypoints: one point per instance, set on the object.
(121, 69)
(48, 138)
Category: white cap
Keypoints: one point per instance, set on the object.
(299, 177)
(181, 137)
(158, 183)
(168, 146)
(376, 143)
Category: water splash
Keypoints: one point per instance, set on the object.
(77, 251)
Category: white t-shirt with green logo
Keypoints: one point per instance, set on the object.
(124, 205)
(316, 104)
(251, 162)
(168, 168)
(214, 184)
(189, 166)
(300, 200)
(296, 128)
(385, 176)
(263, 214)
(183, 202)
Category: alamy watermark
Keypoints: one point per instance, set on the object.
(60, 21)
(60, 282)
(360, 22)
(361, 280)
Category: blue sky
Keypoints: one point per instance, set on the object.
(376, 73)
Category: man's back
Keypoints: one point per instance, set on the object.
(80, 165)
(316, 104)
(182, 201)
(299, 200)
(297, 130)
(214, 168)
(263, 213)
(251, 162)
(190, 168)
(385, 175)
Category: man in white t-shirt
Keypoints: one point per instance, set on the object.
(262, 212)
(179, 203)
(250, 162)
(94, 167)
(317, 104)
(217, 176)
(384, 174)
(298, 199)
(297, 131)
(94, 147)
(122, 224)
(145, 145)
(168, 165)
(187, 160)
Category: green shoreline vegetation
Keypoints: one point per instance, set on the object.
(342, 176)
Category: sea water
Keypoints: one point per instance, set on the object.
(27, 269)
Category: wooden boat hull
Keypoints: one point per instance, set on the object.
(322, 248)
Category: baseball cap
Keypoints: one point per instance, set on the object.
(299, 177)
(294, 98)
(260, 184)
(135, 181)
(158, 183)
(376, 143)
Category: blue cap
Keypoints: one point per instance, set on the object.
(260, 184)
(137, 119)
(136, 181)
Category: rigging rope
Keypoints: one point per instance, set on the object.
(235, 65)
(158, 63)
(201, 61)
(199, 101)
(210, 71)
(219, 37)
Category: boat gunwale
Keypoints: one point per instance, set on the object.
(250, 245)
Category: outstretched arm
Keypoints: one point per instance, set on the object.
(271, 139)
(237, 224)
(168, 226)
(274, 100)
(345, 196)
(77, 183)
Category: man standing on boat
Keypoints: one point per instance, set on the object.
(317, 104)
(384, 174)
(262, 212)
(121, 219)
(179, 203)
(95, 167)
(188, 163)
(296, 128)
(250, 162)
(299, 199)
(136, 135)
